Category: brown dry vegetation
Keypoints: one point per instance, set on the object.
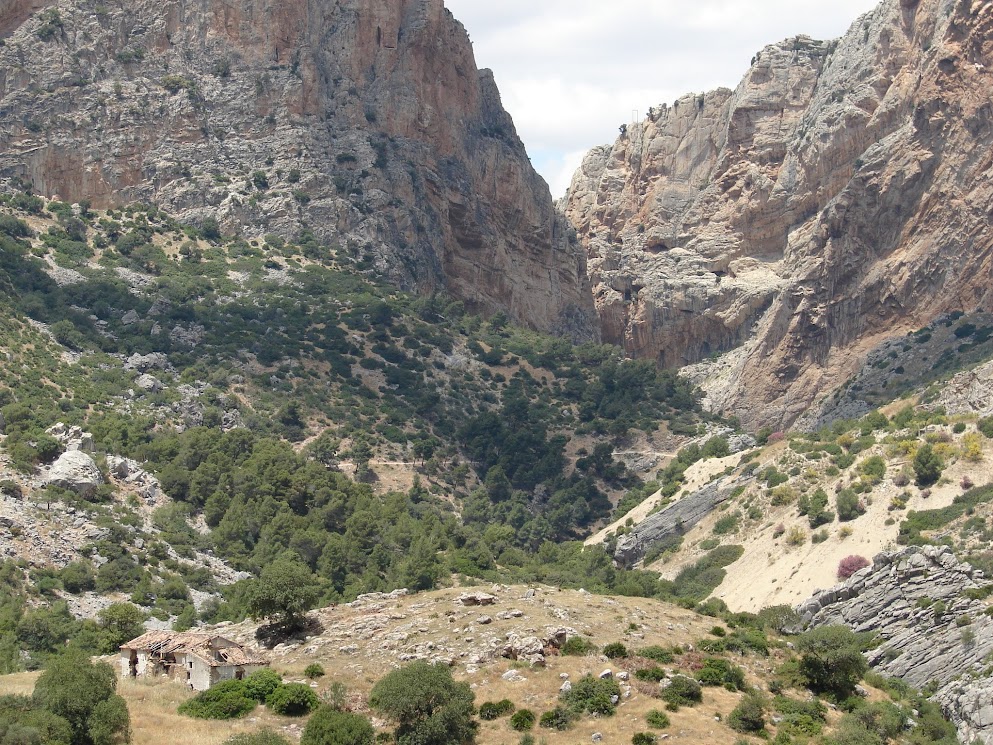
(364, 641)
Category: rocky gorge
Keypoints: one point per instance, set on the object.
(366, 123)
(765, 238)
(778, 232)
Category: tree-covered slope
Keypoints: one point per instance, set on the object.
(265, 383)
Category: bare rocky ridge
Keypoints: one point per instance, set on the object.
(367, 122)
(923, 643)
(838, 197)
(672, 521)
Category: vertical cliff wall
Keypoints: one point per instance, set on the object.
(365, 121)
(839, 196)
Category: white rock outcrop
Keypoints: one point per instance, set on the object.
(76, 471)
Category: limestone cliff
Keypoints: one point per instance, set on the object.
(364, 121)
(839, 196)
(932, 633)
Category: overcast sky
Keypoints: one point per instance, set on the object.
(572, 71)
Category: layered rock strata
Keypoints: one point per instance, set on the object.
(672, 521)
(365, 122)
(932, 633)
(837, 197)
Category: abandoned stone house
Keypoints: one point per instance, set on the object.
(198, 660)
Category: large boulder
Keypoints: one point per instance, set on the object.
(74, 470)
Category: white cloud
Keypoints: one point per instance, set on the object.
(571, 71)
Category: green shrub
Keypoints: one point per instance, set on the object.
(51, 25)
(653, 674)
(874, 468)
(78, 577)
(592, 695)
(490, 710)
(227, 700)
(985, 425)
(748, 715)
(260, 684)
(14, 227)
(727, 524)
(657, 719)
(176, 83)
(698, 581)
(741, 641)
(848, 504)
(682, 691)
(657, 653)
(262, 737)
(831, 660)
(427, 705)
(558, 718)
(314, 670)
(927, 466)
(522, 720)
(801, 717)
(578, 646)
(615, 651)
(719, 672)
(643, 738)
(293, 700)
(330, 727)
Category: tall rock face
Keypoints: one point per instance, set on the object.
(917, 601)
(365, 121)
(838, 197)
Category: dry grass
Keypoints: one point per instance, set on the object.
(385, 631)
(19, 684)
(362, 643)
(154, 720)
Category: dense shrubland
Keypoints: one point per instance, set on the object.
(295, 341)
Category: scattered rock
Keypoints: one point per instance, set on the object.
(606, 674)
(513, 676)
(75, 471)
(476, 598)
(148, 383)
(145, 362)
(484, 620)
(527, 648)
